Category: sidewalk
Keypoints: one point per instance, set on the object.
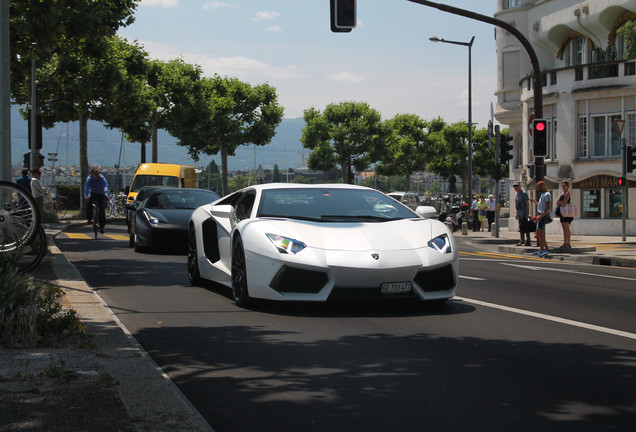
(600, 250)
(112, 384)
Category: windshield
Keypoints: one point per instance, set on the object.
(180, 199)
(332, 204)
(153, 180)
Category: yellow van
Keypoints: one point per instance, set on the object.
(162, 174)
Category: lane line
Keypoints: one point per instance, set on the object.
(568, 271)
(565, 321)
(471, 278)
(117, 236)
(77, 236)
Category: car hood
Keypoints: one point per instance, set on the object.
(353, 236)
(172, 216)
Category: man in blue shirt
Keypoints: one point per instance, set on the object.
(96, 191)
(25, 180)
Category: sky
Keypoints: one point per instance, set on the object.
(387, 61)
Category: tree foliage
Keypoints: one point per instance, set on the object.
(229, 113)
(345, 135)
(407, 147)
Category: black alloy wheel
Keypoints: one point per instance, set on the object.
(239, 274)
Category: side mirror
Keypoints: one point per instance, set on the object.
(426, 211)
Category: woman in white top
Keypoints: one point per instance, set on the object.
(37, 190)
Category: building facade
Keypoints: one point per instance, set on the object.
(588, 83)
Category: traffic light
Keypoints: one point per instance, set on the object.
(630, 158)
(505, 149)
(622, 181)
(343, 15)
(540, 137)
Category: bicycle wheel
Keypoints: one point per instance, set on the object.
(61, 210)
(19, 216)
(31, 254)
(95, 220)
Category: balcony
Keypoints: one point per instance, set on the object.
(584, 76)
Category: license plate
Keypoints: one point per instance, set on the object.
(396, 287)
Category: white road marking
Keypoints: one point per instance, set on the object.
(528, 267)
(471, 278)
(551, 318)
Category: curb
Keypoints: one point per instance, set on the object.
(150, 397)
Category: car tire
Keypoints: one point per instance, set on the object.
(193, 264)
(239, 274)
(136, 245)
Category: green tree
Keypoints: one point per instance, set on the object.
(628, 32)
(345, 135)
(159, 96)
(230, 113)
(407, 147)
(70, 41)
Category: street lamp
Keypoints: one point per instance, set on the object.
(470, 110)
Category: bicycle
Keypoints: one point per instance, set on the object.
(32, 253)
(57, 205)
(19, 217)
(95, 218)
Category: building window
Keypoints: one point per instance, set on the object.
(583, 137)
(577, 52)
(605, 138)
(591, 204)
(614, 203)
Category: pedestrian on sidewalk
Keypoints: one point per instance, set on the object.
(522, 206)
(473, 212)
(490, 214)
(565, 221)
(37, 190)
(544, 208)
(482, 211)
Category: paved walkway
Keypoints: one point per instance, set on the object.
(594, 249)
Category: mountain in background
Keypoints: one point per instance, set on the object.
(106, 148)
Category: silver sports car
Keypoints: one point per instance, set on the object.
(318, 242)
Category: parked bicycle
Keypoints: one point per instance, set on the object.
(56, 205)
(19, 217)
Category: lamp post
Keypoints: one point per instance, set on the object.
(470, 109)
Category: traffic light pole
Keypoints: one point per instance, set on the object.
(625, 191)
(534, 60)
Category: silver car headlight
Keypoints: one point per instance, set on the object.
(151, 219)
(441, 243)
(285, 244)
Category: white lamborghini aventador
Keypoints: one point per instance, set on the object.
(317, 242)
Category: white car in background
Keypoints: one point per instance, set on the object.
(318, 242)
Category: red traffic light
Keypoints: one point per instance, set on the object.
(540, 126)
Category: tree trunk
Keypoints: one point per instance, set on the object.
(407, 174)
(224, 169)
(155, 144)
(345, 172)
(142, 158)
(83, 147)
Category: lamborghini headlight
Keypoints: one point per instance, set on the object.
(285, 244)
(441, 243)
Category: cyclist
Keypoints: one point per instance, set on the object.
(96, 192)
